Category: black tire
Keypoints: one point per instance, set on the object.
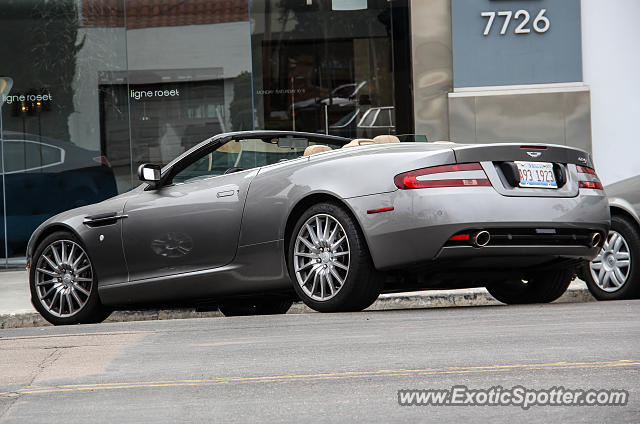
(258, 307)
(91, 312)
(630, 289)
(362, 284)
(542, 287)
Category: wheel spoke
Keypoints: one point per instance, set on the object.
(76, 297)
(53, 299)
(71, 251)
(305, 266)
(606, 279)
(81, 290)
(77, 261)
(596, 265)
(336, 244)
(336, 275)
(44, 271)
(339, 265)
(318, 228)
(61, 303)
(45, 282)
(315, 280)
(619, 275)
(69, 303)
(622, 255)
(56, 257)
(325, 234)
(48, 292)
(327, 276)
(50, 262)
(623, 263)
(78, 271)
(306, 243)
(306, 255)
(614, 279)
(340, 253)
(618, 244)
(63, 253)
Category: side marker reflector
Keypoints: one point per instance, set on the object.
(370, 211)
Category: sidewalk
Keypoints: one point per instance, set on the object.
(16, 309)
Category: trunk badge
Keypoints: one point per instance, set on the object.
(534, 154)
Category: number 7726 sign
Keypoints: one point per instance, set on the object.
(521, 17)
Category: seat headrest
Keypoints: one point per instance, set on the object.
(386, 138)
(317, 148)
(358, 142)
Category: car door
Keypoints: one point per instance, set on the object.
(190, 224)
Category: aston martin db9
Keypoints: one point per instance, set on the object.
(249, 222)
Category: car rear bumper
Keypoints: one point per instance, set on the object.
(418, 228)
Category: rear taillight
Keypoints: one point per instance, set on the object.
(439, 176)
(593, 183)
(102, 160)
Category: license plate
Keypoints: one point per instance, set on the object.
(536, 174)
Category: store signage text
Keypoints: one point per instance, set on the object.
(540, 23)
(27, 98)
(139, 94)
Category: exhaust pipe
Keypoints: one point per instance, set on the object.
(481, 238)
(595, 239)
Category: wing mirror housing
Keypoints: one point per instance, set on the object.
(149, 173)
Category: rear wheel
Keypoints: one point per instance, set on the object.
(615, 273)
(329, 262)
(542, 287)
(63, 284)
(258, 307)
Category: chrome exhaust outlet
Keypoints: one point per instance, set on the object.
(481, 238)
(595, 239)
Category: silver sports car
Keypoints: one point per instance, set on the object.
(248, 222)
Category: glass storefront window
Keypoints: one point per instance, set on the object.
(320, 65)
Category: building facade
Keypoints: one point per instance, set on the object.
(90, 89)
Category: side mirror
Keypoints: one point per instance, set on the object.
(149, 173)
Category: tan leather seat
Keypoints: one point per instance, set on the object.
(318, 148)
(386, 138)
(358, 142)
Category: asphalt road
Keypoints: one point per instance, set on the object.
(322, 367)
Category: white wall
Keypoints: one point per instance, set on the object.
(611, 67)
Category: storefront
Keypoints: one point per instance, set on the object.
(90, 89)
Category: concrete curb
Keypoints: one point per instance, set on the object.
(415, 300)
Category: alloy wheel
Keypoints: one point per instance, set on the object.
(610, 269)
(63, 278)
(321, 257)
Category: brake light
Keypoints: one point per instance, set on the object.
(102, 160)
(585, 170)
(594, 183)
(412, 179)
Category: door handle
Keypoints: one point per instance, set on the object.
(226, 193)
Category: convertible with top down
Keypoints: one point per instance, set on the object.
(249, 222)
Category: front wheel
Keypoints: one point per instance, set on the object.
(541, 287)
(63, 284)
(329, 262)
(614, 274)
